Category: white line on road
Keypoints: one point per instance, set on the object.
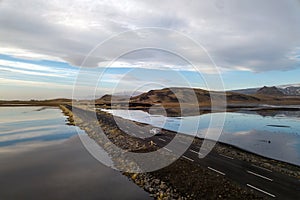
(262, 168)
(188, 158)
(161, 139)
(272, 195)
(195, 152)
(261, 176)
(226, 156)
(167, 149)
(216, 171)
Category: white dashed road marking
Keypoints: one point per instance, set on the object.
(216, 171)
(261, 176)
(188, 158)
(193, 151)
(272, 195)
(226, 156)
(167, 149)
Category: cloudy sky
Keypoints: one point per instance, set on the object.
(139, 45)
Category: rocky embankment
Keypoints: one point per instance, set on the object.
(180, 180)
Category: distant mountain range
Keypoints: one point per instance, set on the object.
(170, 97)
(283, 90)
(186, 95)
(270, 91)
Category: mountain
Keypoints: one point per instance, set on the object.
(172, 96)
(291, 90)
(270, 91)
(181, 101)
(248, 91)
(288, 90)
(115, 98)
(186, 95)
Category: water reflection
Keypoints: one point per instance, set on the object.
(62, 171)
(43, 158)
(28, 126)
(276, 135)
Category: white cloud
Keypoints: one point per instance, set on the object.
(25, 66)
(239, 35)
(34, 84)
(19, 67)
(26, 54)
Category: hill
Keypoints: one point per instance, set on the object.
(172, 97)
(287, 90)
(187, 95)
(291, 90)
(270, 91)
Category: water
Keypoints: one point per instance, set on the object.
(276, 136)
(43, 158)
(28, 126)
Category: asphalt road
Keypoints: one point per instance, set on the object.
(272, 184)
(269, 183)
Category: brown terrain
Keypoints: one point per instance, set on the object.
(50, 102)
(270, 91)
(182, 101)
(172, 96)
(191, 101)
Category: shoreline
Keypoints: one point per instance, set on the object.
(155, 182)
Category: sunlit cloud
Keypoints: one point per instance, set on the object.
(34, 69)
(26, 54)
(34, 84)
(239, 35)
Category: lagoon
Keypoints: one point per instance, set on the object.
(43, 158)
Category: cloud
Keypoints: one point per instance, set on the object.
(25, 54)
(30, 69)
(254, 35)
(34, 84)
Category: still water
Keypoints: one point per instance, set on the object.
(43, 158)
(24, 126)
(275, 136)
